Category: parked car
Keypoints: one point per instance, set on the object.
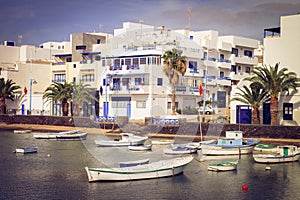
(208, 110)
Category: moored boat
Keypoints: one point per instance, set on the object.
(223, 166)
(162, 142)
(180, 149)
(73, 136)
(143, 147)
(126, 140)
(22, 131)
(163, 168)
(286, 153)
(265, 148)
(31, 149)
(232, 144)
(53, 135)
(134, 163)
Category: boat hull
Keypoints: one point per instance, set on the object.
(140, 147)
(27, 150)
(218, 150)
(170, 151)
(159, 169)
(134, 163)
(263, 158)
(224, 166)
(75, 136)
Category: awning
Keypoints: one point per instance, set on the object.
(91, 52)
(63, 54)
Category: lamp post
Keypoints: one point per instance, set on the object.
(32, 81)
(205, 83)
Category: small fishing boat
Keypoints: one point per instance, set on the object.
(31, 149)
(53, 135)
(232, 144)
(134, 163)
(286, 153)
(143, 147)
(265, 148)
(162, 142)
(126, 140)
(73, 136)
(223, 166)
(163, 168)
(22, 131)
(180, 149)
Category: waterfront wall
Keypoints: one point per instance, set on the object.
(184, 128)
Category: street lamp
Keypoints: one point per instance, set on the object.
(205, 83)
(32, 81)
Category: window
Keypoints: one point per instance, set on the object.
(221, 74)
(137, 81)
(74, 79)
(74, 65)
(170, 105)
(98, 58)
(81, 47)
(235, 51)
(159, 81)
(127, 61)
(247, 70)
(135, 61)
(193, 64)
(248, 53)
(233, 68)
(117, 62)
(140, 104)
(142, 61)
(69, 59)
(98, 41)
(59, 77)
(222, 57)
(88, 78)
(287, 111)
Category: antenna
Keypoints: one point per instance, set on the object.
(100, 27)
(189, 18)
(20, 37)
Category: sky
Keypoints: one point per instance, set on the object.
(39, 21)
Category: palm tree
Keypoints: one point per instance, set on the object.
(275, 81)
(58, 92)
(81, 94)
(254, 96)
(8, 90)
(174, 65)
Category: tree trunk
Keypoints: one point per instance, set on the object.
(274, 110)
(65, 107)
(2, 106)
(255, 116)
(173, 99)
(76, 109)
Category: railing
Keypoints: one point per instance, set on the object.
(59, 63)
(105, 119)
(165, 121)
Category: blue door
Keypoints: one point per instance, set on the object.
(243, 114)
(266, 113)
(128, 110)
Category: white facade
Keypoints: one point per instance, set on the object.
(284, 48)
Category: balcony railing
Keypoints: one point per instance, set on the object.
(59, 63)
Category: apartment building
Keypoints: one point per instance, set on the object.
(281, 45)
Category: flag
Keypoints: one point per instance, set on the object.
(200, 90)
(25, 90)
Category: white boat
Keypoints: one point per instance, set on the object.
(286, 153)
(180, 149)
(31, 149)
(163, 168)
(126, 140)
(22, 131)
(265, 148)
(232, 144)
(134, 163)
(144, 147)
(162, 142)
(53, 135)
(73, 136)
(222, 166)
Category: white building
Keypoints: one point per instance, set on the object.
(281, 45)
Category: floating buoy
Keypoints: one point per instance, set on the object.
(268, 167)
(201, 160)
(245, 187)
(48, 155)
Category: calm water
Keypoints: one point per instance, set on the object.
(57, 172)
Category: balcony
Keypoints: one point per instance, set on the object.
(224, 46)
(224, 63)
(238, 75)
(244, 60)
(211, 62)
(224, 81)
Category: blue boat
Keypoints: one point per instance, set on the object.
(32, 149)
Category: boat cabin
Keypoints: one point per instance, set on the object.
(229, 142)
(234, 134)
(287, 150)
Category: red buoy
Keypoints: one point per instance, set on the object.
(245, 187)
